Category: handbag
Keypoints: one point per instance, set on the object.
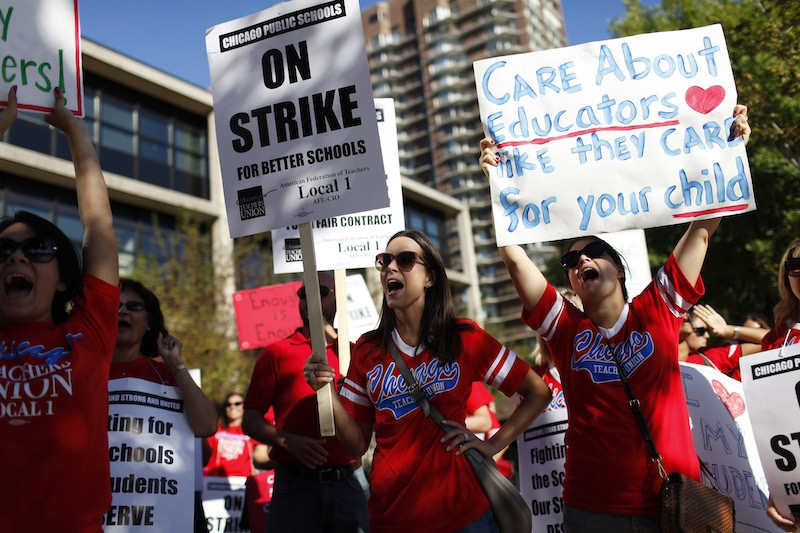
(687, 506)
(508, 506)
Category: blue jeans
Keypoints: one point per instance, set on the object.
(485, 523)
(580, 521)
(314, 501)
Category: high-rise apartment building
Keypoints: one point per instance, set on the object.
(421, 53)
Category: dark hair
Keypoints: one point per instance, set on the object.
(762, 320)
(223, 415)
(69, 266)
(615, 257)
(789, 306)
(155, 318)
(439, 327)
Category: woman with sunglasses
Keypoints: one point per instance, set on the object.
(610, 483)
(145, 350)
(232, 453)
(57, 330)
(419, 479)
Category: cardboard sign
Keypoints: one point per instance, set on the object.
(41, 50)
(613, 135)
(351, 241)
(295, 117)
(151, 452)
(266, 314)
(771, 382)
(723, 440)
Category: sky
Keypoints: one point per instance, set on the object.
(170, 34)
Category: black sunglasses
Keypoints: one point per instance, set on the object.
(792, 267)
(132, 306)
(405, 260)
(702, 330)
(36, 249)
(323, 291)
(593, 250)
(234, 404)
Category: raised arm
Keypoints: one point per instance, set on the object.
(99, 244)
(690, 251)
(527, 278)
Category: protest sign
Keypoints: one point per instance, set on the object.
(151, 453)
(771, 382)
(631, 245)
(266, 314)
(295, 117)
(223, 503)
(723, 440)
(361, 311)
(613, 135)
(353, 240)
(41, 42)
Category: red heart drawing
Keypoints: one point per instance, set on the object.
(733, 401)
(704, 100)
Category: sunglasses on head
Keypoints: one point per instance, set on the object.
(323, 291)
(593, 250)
(132, 306)
(405, 260)
(234, 404)
(792, 267)
(36, 249)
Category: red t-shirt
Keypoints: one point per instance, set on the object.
(781, 335)
(725, 358)
(54, 413)
(231, 453)
(278, 382)
(144, 368)
(608, 467)
(415, 484)
(550, 375)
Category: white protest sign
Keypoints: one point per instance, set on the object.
(631, 245)
(724, 441)
(41, 43)
(541, 452)
(351, 241)
(361, 312)
(295, 117)
(223, 503)
(771, 382)
(151, 452)
(613, 135)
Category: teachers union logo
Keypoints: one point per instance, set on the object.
(294, 252)
(251, 203)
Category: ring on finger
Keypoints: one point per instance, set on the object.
(466, 436)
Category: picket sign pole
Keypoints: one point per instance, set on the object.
(316, 324)
(342, 322)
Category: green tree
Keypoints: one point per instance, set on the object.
(762, 37)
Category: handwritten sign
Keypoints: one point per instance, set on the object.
(151, 453)
(295, 117)
(266, 314)
(41, 50)
(613, 135)
(632, 246)
(351, 241)
(771, 383)
(723, 440)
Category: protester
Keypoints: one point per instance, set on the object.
(318, 486)
(693, 341)
(786, 332)
(142, 337)
(419, 479)
(610, 483)
(232, 453)
(57, 330)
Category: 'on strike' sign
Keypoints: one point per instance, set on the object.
(613, 135)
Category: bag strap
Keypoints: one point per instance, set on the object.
(636, 407)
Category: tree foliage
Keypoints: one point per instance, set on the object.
(763, 40)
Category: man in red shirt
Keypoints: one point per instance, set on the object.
(318, 486)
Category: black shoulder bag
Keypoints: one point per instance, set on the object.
(686, 505)
(508, 506)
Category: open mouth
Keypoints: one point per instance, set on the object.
(123, 324)
(17, 285)
(393, 286)
(590, 274)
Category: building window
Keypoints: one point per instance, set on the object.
(432, 224)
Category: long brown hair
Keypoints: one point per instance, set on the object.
(789, 306)
(439, 327)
